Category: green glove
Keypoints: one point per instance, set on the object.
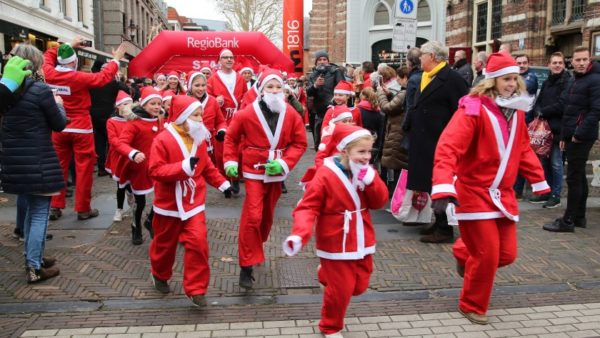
(15, 73)
(231, 171)
(273, 168)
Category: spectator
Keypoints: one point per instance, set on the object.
(506, 47)
(480, 64)
(579, 131)
(15, 72)
(324, 78)
(413, 60)
(368, 68)
(389, 80)
(26, 143)
(549, 107)
(357, 80)
(371, 119)
(436, 101)
(462, 66)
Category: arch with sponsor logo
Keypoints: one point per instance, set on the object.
(188, 51)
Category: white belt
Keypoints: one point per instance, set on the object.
(347, 219)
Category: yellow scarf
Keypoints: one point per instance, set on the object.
(428, 76)
(187, 139)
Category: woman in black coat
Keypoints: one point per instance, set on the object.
(30, 167)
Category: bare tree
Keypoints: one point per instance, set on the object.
(254, 16)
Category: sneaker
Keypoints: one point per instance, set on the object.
(17, 234)
(552, 202)
(246, 278)
(34, 276)
(474, 317)
(559, 225)
(136, 235)
(118, 217)
(438, 237)
(198, 300)
(160, 285)
(55, 213)
(539, 199)
(82, 216)
(48, 262)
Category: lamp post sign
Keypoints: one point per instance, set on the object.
(404, 35)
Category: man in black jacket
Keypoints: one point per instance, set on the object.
(579, 131)
(462, 66)
(549, 107)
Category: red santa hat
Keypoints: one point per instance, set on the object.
(344, 87)
(206, 68)
(500, 64)
(193, 76)
(182, 106)
(149, 93)
(343, 134)
(122, 97)
(173, 74)
(340, 113)
(167, 95)
(266, 76)
(224, 51)
(247, 69)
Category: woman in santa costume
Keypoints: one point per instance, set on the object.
(338, 200)
(173, 84)
(180, 167)
(274, 139)
(476, 163)
(342, 94)
(134, 143)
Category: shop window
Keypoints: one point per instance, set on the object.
(382, 16)
(423, 12)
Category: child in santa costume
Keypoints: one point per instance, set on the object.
(134, 143)
(274, 139)
(167, 97)
(212, 118)
(338, 202)
(180, 168)
(342, 93)
(77, 139)
(476, 163)
(114, 161)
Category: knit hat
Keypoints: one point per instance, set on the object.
(344, 87)
(340, 113)
(266, 75)
(321, 53)
(122, 97)
(343, 134)
(66, 54)
(500, 64)
(173, 74)
(192, 77)
(247, 69)
(182, 107)
(167, 95)
(149, 93)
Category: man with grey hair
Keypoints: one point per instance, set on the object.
(480, 63)
(462, 66)
(436, 100)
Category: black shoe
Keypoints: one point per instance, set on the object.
(160, 285)
(539, 199)
(102, 173)
(428, 229)
(580, 223)
(283, 188)
(560, 225)
(148, 226)
(438, 237)
(55, 213)
(136, 235)
(235, 188)
(17, 234)
(460, 269)
(246, 278)
(82, 216)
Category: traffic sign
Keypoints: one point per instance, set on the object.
(405, 9)
(404, 36)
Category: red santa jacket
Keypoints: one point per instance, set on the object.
(216, 87)
(180, 191)
(286, 145)
(213, 119)
(344, 229)
(114, 128)
(485, 153)
(320, 156)
(74, 88)
(249, 97)
(356, 117)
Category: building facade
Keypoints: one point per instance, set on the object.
(354, 31)
(535, 27)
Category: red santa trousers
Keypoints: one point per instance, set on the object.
(257, 217)
(168, 232)
(82, 147)
(484, 246)
(342, 279)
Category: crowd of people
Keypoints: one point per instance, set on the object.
(460, 131)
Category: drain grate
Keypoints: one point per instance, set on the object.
(298, 272)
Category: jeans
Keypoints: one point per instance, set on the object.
(21, 213)
(553, 170)
(577, 156)
(36, 224)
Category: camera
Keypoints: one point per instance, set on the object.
(86, 43)
(322, 70)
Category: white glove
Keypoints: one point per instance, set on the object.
(292, 245)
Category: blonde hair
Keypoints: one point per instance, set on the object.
(369, 94)
(353, 143)
(387, 73)
(487, 87)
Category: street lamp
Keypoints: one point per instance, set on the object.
(132, 29)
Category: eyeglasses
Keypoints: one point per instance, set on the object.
(227, 57)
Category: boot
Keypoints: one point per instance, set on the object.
(136, 234)
(235, 188)
(34, 276)
(55, 213)
(48, 262)
(246, 278)
(438, 237)
(148, 226)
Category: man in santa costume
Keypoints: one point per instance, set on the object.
(248, 73)
(477, 159)
(77, 139)
(271, 137)
(180, 168)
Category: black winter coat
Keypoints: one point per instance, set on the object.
(582, 106)
(29, 162)
(549, 105)
(322, 95)
(103, 100)
(432, 111)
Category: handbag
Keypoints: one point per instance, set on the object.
(399, 192)
(540, 137)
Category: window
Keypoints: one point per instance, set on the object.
(559, 11)
(577, 9)
(487, 24)
(80, 10)
(562, 16)
(496, 19)
(382, 17)
(481, 23)
(423, 12)
(63, 7)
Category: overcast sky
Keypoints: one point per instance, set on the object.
(207, 9)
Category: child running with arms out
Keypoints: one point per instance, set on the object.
(345, 237)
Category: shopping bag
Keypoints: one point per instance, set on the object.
(596, 172)
(399, 191)
(540, 137)
(416, 208)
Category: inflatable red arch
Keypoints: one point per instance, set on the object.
(184, 51)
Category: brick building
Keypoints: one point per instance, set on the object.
(536, 27)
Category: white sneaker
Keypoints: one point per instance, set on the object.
(335, 335)
(118, 215)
